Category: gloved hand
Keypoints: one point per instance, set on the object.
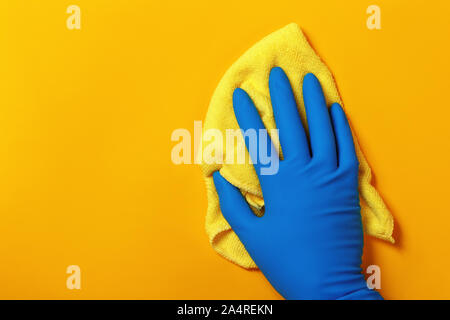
(309, 242)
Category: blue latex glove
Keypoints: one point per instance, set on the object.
(309, 242)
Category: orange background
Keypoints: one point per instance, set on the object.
(86, 117)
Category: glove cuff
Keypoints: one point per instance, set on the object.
(363, 294)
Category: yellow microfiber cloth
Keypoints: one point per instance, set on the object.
(286, 48)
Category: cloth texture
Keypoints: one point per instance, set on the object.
(286, 48)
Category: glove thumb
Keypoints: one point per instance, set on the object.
(233, 205)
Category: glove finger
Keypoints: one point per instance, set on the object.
(321, 134)
(258, 142)
(291, 132)
(233, 205)
(346, 148)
